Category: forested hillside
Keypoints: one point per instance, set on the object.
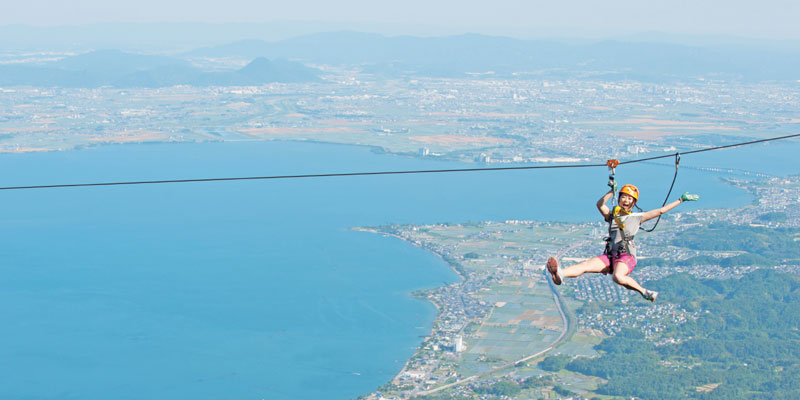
(746, 344)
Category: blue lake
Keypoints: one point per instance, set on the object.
(257, 289)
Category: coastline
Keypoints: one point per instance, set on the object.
(415, 293)
(454, 266)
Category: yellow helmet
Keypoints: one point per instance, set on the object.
(631, 190)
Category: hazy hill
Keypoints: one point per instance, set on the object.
(478, 51)
(116, 62)
(119, 69)
(446, 56)
(278, 70)
(471, 53)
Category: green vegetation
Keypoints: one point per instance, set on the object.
(555, 363)
(537, 382)
(741, 259)
(444, 396)
(747, 342)
(562, 391)
(776, 244)
(762, 246)
(773, 217)
(455, 264)
(653, 262)
(502, 388)
(725, 262)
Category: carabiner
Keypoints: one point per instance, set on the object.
(612, 165)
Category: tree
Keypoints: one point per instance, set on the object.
(555, 363)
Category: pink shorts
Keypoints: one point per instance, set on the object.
(628, 259)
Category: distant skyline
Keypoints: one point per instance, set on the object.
(767, 19)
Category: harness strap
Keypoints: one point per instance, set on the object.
(624, 247)
(615, 215)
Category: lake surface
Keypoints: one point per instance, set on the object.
(257, 289)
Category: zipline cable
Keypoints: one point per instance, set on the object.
(430, 171)
(712, 148)
(301, 176)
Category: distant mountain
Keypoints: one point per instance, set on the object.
(264, 70)
(471, 53)
(443, 56)
(119, 69)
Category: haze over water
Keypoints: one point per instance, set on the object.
(257, 289)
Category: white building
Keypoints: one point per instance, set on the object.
(459, 345)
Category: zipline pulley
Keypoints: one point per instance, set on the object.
(612, 166)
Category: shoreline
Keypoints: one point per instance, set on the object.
(435, 304)
(104, 142)
(442, 257)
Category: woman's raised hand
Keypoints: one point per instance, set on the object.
(689, 197)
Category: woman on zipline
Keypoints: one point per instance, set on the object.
(619, 258)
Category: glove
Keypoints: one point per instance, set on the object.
(613, 185)
(689, 197)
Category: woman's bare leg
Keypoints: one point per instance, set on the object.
(592, 265)
(621, 277)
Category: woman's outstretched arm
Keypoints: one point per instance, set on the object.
(663, 210)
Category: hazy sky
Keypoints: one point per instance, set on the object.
(775, 19)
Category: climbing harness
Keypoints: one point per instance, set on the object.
(616, 212)
(625, 243)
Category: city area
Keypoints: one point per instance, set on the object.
(473, 120)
